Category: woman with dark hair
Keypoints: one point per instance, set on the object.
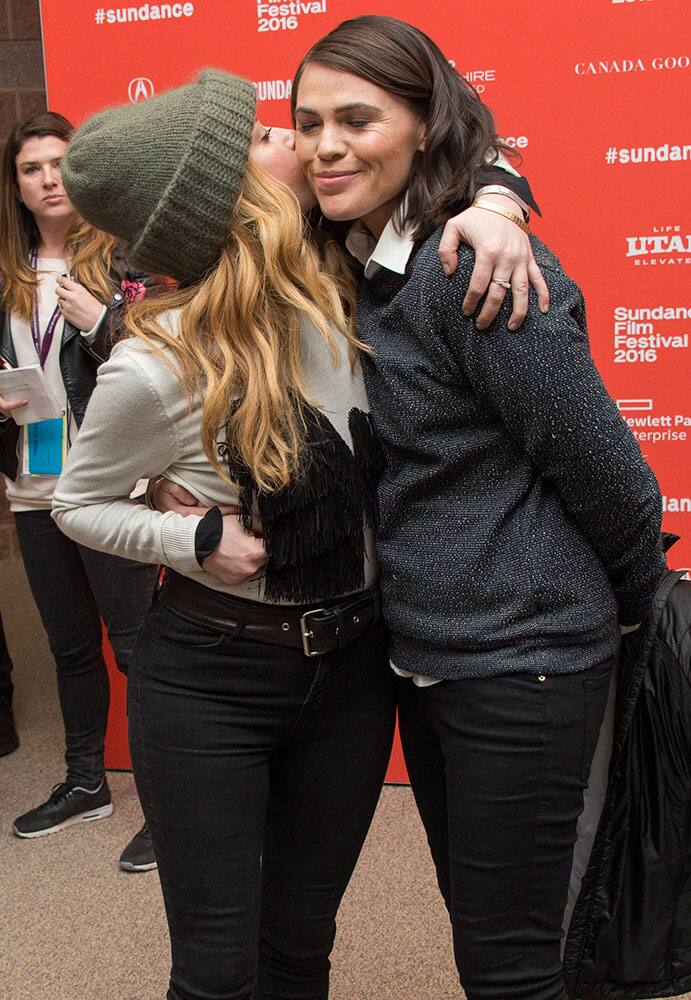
(519, 524)
(62, 284)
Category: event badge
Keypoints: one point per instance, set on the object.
(44, 447)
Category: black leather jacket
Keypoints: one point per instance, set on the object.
(79, 360)
(630, 935)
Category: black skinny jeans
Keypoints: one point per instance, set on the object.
(5, 671)
(258, 770)
(73, 587)
(498, 767)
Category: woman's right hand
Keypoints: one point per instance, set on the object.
(502, 253)
(8, 405)
(239, 555)
(167, 495)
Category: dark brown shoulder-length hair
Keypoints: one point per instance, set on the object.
(461, 136)
(90, 249)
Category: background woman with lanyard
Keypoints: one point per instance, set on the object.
(62, 282)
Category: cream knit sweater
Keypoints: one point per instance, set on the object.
(138, 425)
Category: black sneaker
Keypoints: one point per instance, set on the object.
(139, 856)
(68, 804)
(9, 740)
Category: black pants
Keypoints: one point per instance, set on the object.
(73, 587)
(5, 671)
(498, 767)
(258, 770)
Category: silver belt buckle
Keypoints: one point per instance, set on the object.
(307, 634)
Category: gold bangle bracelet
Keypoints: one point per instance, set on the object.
(504, 192)
(150, 490)
(505, 212)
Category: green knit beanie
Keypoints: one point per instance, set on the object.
(164, 174)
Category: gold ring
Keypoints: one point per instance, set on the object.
(502, 282)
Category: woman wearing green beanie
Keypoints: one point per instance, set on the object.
(260, 700)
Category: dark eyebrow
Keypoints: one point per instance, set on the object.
(36, 163)
(355, 106)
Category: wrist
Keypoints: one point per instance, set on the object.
(508, 213)
(92, 330)
(504, 197)
(208, 534)
(150, 495)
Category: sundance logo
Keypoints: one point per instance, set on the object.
(665, 245)
(273, 90)
(611, 67)
(648, 154)
(140, 89)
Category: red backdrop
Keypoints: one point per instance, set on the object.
(592, 92)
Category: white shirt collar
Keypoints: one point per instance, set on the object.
(392, 250)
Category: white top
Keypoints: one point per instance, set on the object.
(36, 492)
(391, 251)
(138, 425)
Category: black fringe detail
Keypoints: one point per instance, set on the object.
(313, 528)
(369, 461)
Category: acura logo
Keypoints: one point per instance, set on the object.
(140, 89)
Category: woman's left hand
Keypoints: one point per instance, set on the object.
(77, 305)
(502, 254)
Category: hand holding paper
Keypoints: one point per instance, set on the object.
(8, 405)
(29, 394)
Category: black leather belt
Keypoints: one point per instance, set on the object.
(316, 629)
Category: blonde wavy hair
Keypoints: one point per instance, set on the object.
(237, 345)
(90, 250)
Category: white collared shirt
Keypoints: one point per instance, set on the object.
(392, 250)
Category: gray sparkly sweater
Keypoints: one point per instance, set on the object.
(519, 522)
